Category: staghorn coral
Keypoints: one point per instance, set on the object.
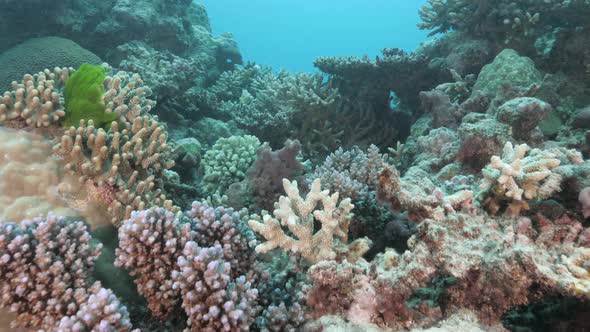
(298, 214)
(150, 242)
(117, 168)
(483, 264)
(212, 299)
(45, 267)
(517, 178)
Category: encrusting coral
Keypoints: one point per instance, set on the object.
(298, 214)
(462, 261)
(518, 177)
(30, 174)
(409, 194)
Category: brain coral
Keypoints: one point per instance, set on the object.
(46, 52)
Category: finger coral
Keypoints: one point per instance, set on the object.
(298, 214)
(150, 242)
(117, 167)
(45, 268)
(518, 177)
(212, 299)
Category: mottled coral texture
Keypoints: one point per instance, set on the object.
(489, 264)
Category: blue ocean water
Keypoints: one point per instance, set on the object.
(291, 33)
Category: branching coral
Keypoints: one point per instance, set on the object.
(298, 214)
(45, 267)
(150, 243)
(36, 101)
(228, 228)
(212, 299)
(517, 178)
(227, 162)
(117, 168)
(503, 20)
(352, 173)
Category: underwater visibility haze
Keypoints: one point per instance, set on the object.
(291, 166)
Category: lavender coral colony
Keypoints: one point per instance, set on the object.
(151, 181)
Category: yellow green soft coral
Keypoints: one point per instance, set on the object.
(83, 97)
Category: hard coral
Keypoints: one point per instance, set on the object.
(298, 214)
(45, 269)
(517, 178)
(488, 265)
(118, 167)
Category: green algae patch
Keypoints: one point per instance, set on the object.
(83, 97)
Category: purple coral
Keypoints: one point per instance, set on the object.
(226, 227)
(213, 300)
(150, 242)
(45, 266)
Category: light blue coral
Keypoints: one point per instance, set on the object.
(227, 162)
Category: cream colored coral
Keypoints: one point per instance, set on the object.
(36, 101)
(298, 214)
(578, 265)
(126, 95)
(28, 177)
(518, 177)
(118, 167)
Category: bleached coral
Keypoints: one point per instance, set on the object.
(298, 214)
(518, 177)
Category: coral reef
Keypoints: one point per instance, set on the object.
(440, 189)
(518, 177)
